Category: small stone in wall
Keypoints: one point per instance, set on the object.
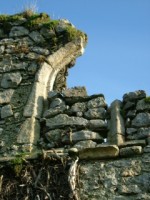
(17, 31)
(79, 107)
(95, 113)
(36, 37)
(133, 96)
(85, 144)
(75, 92)
(97, 102)
(74, 137)
(142, 105)
(129, 189)
(57, 102)
(32, 68)
(11, 80)
(130, 151)
(141, 119)
(6, 111)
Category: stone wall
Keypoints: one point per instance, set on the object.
(108, 147)
(34, 49)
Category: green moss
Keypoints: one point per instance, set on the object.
(51, 24)
(18, 163)
(147, 99)
(72, 33)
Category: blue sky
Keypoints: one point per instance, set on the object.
(117, 56)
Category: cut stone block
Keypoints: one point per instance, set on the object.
(101, 152)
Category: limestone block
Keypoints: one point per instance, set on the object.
(141, 119)
(54, 111)
(75, 92)
(18, 31)
(131, 131)
(131, 113)
(11, 80)
(147, 149)
(5, 96)
(142, 105)
(47, 33)
(133, 143)
(36, 37)
(101, 152)
(85, 144)
(29, 131)
(53, 94)
(142, 133)
(34, 106)
(2, 49)
(6, 111)
(57, 102)
(97, 102)
(63, 120)
(54, 135)
(97, 124)
(129, 105)
(133, 96)
(74, 137)
(130, 151)
(79, 107)
(40, 50)
(32, 69)
(117, 128)
(95, 113)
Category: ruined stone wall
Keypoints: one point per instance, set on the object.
(108, 147)
(34, 49)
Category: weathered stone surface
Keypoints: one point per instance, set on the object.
(131, 131)
(63, 120)
(11, 80)
(97, 124)
(40, 50)
(133, 96)
(117, 128)
(147, 149)
(54, 111)
(47, 33)
(142, 133)
(131, 113)
(75, 92)
(74, 137)
(54, 135)
(103, 151)
(79, 107)
(6, 111)
(32, 69)
(53, 94)
(130, 151)
(18, 31)
(57, 102)
(131, 189)
(142, 105)
(36, 37)
(29, 132)
(141, 119)
(2, 49)
(133, 143)
(112, 177)
(97, 102)
(5, 96)
(85, 144)
(129, 105)
(95, 113)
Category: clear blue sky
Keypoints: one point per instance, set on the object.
(117, 57)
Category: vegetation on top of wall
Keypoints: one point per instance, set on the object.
(34, 21)
(147, 99)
